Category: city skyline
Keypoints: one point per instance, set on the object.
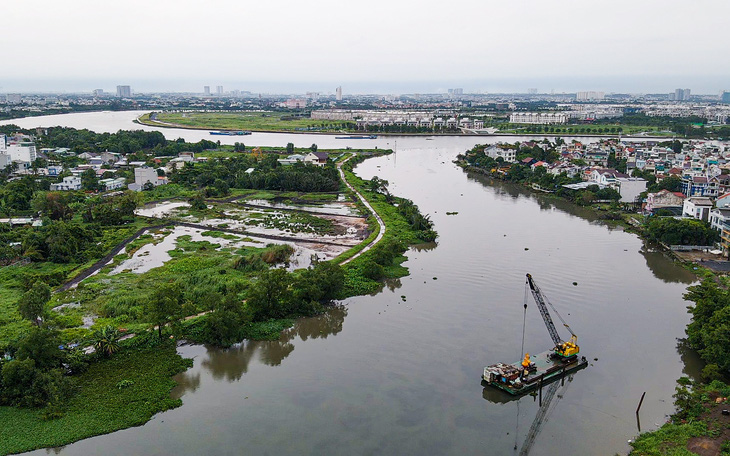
(565, 46)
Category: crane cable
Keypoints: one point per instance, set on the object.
(522, 353)
(559, 316)
(524, 321)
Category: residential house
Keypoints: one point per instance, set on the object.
(68, 183)
(112, 184)
(291, 159)
(508, 155)
(316, 158)
(719, 218)
(697, 207)
(664, 199)
(630, 188)
(144, 175)
(700, 186)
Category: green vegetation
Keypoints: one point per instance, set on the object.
(99, 405)
(204, 292)
(698, 404)
(404, 226)
(671, 231)
(252, 121)
(709, 330)
(216, 177)
(697, 419)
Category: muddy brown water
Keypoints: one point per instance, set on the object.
(383, 375)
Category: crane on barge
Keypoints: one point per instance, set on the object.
(565, 350)
(530, 373)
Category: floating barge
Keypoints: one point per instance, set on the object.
(356, 137)
(231, 133)
(544, 368)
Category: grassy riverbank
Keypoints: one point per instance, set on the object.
(121, 392)
(248, 121)
(208, 280)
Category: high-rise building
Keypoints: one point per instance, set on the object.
(124, 91)
(98, 92)
(14, 98)
(680, 95)
(532, 91)
(725, 97)
(219, 90)
(206, 90)
(338, 92)
(590, 96)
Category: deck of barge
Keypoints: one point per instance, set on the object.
(547, 369)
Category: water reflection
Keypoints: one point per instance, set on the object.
(692, 363)
(393, 284)
(548, 401)
(230, 364)
(665, 270)
(186, 382)
(424, 247)
(546, 202)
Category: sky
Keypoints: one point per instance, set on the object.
(373, 46)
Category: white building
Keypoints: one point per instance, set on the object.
(590, 96)
(68, 183)
(540, 118)
(508, 155)
(316, 158)
(719, 217)
(697, 207)
(295, 103)
(143, 175)
(630, 188)
(291, 159)
(22, 152)
(124, 91)
(338, 92)
(112, 184)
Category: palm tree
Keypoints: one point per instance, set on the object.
(106, 340)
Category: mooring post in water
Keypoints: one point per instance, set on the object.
(562, 377)
(541, 377)
(641, 401)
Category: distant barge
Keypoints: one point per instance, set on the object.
(544, 368)
(231, 133)
(357, 137)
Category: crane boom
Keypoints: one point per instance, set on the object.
(540, 301)
(562, 348)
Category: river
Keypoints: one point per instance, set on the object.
(386, 375)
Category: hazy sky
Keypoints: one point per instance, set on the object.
(373, 45)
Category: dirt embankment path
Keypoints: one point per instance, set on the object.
(365, 202)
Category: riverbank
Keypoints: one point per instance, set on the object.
(377, 257)
(144, 119)
(124, 391)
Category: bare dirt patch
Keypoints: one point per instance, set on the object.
(716, 421)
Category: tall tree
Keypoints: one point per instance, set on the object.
(165, 306)
(32, 305)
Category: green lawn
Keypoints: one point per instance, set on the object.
(252, 121)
